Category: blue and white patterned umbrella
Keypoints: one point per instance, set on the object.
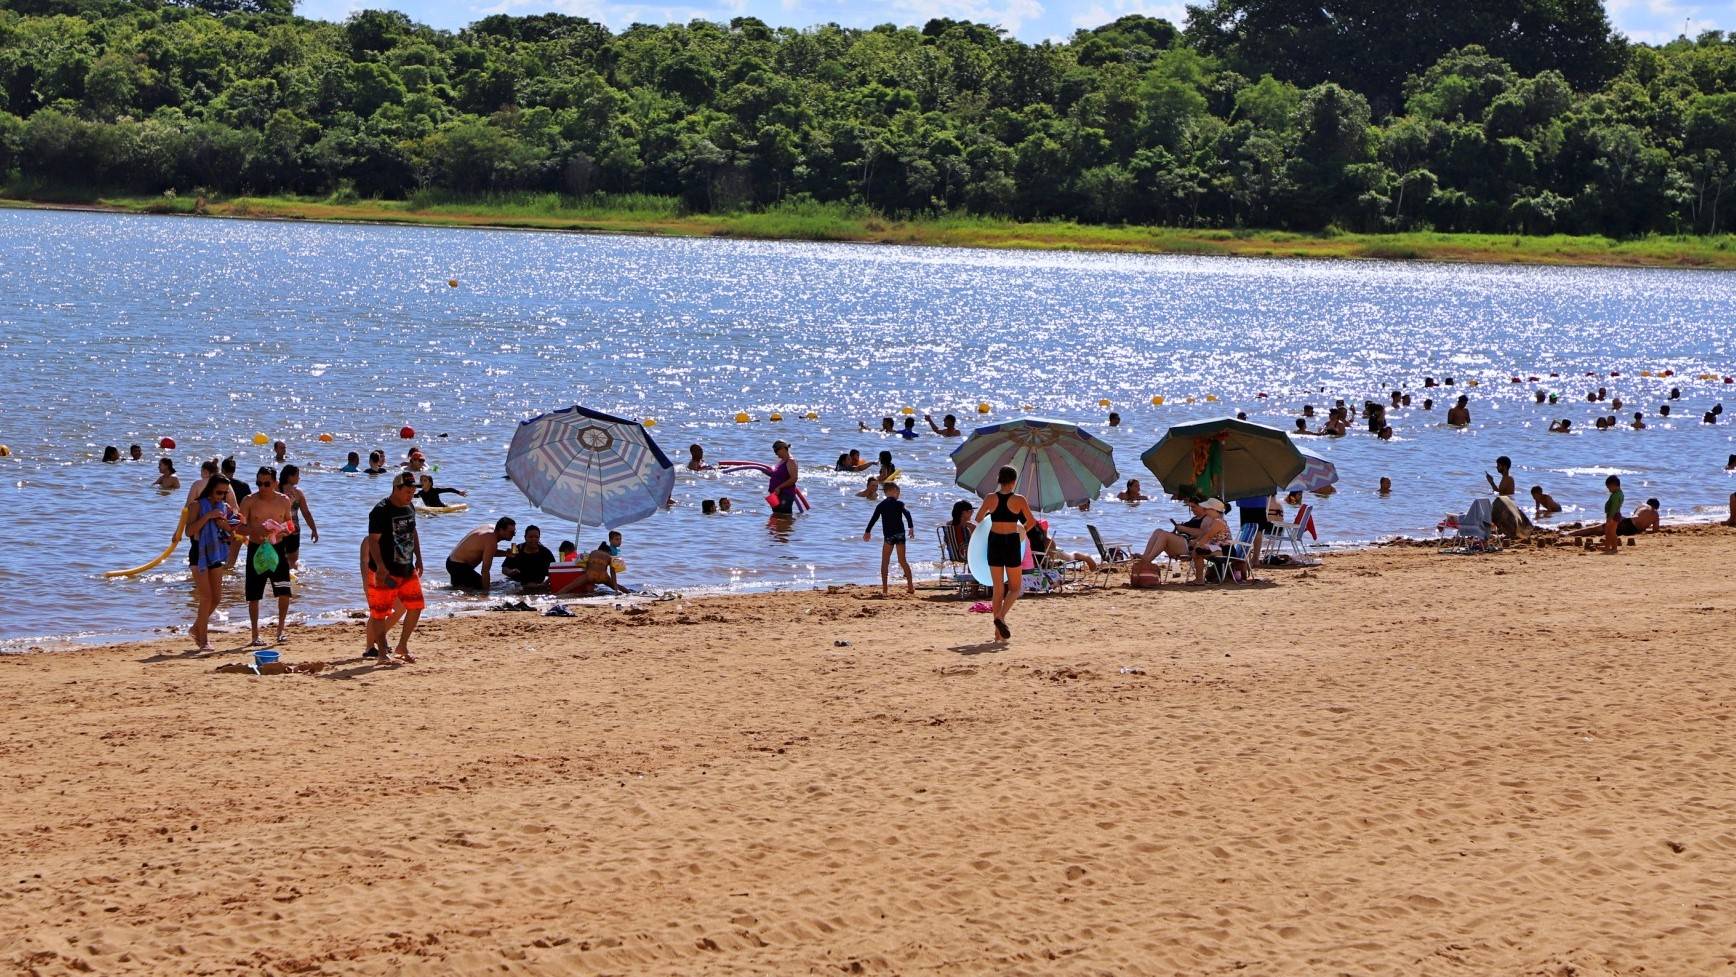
(592, 468)
(1317, 474)
(1059, 464)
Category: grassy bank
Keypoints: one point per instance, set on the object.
(644, 214)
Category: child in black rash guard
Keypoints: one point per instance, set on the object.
(895, 519)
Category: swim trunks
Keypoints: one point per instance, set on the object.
(278, 577)
(1626, 527)
(895, 539)
(463, 577)
(290, 544)
(382, 599)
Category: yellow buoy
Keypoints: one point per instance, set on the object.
(650, 422)
(1645, 373)
(5, 452)
(1103, 402)
(810, 415)
(742, 418)
(907, 411)
(1707, 376)
(1211, 398)
(451, 283)
(325, 439)
(775, 416)
(260, 439)
(1473, 383)
(1157, 400)
(982, 408)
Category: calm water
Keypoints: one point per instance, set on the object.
(116, 330)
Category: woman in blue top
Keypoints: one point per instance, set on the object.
(1009, 516)
(209, 530)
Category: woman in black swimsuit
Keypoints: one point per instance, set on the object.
(1009, 517)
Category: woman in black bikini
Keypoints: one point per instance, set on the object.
(1009, 517)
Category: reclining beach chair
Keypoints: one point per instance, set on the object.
(954, 564)
(1473, 532)
(1110, 556)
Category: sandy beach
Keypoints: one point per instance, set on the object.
(1400, 763)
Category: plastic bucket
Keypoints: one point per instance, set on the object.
(263, 658)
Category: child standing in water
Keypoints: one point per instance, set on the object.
(895, 519)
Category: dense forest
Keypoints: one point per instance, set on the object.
(1525, 116)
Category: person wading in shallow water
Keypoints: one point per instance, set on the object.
(783, 480)
(1009, 517)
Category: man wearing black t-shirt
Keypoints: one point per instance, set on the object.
(395, 553)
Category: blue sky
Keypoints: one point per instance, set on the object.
(1643, 20)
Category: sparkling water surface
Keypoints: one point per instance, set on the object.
(119, 329)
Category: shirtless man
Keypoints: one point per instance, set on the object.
(471, 562)
(599, 570)
(949, 431)
(1505, 486)
(262, 506)
(289, 483)
(1546, 504)
(1459, 415)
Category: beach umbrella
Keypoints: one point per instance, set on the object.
(1317, 475)
(1059, 464)
(1226, 458)
(592, 468)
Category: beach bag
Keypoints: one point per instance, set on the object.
(1146, 577)
(265, 558)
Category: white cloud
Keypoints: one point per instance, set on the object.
(1101, 13)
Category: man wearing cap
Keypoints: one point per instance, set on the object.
(394, 552)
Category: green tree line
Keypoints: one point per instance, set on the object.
(1525, 116)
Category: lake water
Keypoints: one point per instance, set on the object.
(118, 329)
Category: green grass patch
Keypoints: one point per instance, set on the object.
(808, 220)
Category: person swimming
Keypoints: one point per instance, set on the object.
(696, 459)
(430, 495)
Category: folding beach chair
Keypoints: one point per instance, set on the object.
(1473, 532)
(1110, 556)
(954, 564)
(1294, 535)
(1236, 563)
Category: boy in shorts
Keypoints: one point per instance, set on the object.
(394, 554)
(894, 519)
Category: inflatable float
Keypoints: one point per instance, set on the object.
(977, 555)
(728, 467)
(180, 530)
(440, 510)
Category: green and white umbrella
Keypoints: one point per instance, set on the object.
(1059, 464)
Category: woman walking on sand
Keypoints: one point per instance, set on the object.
(1009, 516)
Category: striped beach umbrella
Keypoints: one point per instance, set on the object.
(588, 467)
(1317, 474)
(1059, 464)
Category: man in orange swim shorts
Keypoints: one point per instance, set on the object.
(395, 556)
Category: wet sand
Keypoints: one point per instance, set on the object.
(1400, 763)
